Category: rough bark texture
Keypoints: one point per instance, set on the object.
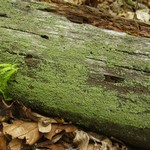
(96, 78)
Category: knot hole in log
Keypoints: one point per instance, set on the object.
(113, 79)
(104, 79)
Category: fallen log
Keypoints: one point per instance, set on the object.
(99, 79)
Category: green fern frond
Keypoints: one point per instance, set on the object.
(6, 72)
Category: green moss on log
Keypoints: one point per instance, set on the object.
(67, 73)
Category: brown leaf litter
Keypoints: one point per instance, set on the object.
(22, 129)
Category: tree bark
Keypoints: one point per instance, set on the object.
(99, 79)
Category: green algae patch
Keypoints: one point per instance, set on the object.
(78, 72)
(75, 96)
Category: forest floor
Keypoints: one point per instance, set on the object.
(20, 128)
(23, 129)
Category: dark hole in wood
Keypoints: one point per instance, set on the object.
(28, 56)
(85, 20)
(3, 15)
(48, 9)
(45, 37)
(75, 19)
(114, 79)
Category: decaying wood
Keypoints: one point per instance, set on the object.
(96, 78)
(84, 14)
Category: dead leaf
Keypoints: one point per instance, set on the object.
(143, 15)
(43, 145)
(26, 113)
(61, 135)
(106, 144)
(22, 130)
(5, 110)
(57, 137)
(44, 126)
(2, 142)
(15, 144)
(81, 140)
(56, 147)
(69, 128)
(61, 121)
(42, 118)
(127, 15)
(67, 140)
(56, 128)
(95, 137)
(94, 147)
(48, 145)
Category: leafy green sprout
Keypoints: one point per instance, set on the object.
(6, 72)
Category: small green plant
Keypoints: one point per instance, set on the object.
(6, 72)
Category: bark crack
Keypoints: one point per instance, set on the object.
(41, 35)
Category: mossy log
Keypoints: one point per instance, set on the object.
(99, 79)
